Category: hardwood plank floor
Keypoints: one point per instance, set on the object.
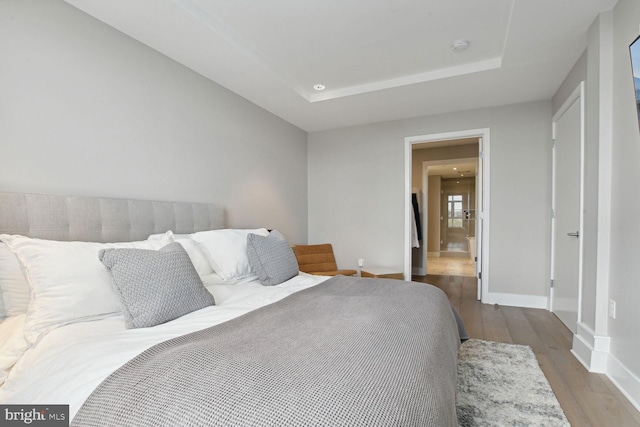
(451, 266)
(587, 399)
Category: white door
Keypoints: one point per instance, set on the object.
(567, 207)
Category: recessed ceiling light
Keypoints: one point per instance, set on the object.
(455, 169)
(460, 45)
(318, 86)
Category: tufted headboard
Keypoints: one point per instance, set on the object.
(101, 219)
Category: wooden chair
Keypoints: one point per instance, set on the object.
(319, 260)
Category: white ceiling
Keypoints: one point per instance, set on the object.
(379, 59)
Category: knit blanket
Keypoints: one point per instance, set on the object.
(348, 352)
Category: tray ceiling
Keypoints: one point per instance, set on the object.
(378, 60)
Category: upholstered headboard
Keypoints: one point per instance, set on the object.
(101, 219)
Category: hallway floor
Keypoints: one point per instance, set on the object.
(456, 246)
(451, 266)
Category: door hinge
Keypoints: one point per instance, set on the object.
(475, 259)
(480, 275)
(553, 213)
(553, 142)
(552, 283)
(481, 154)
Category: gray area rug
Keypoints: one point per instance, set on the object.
(502, 385)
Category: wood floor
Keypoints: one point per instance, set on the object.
(587, 399)
(451, 266)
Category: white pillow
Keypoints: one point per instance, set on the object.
(68, 282)
(213, 279)
(227, 251)
(195, 252)
(13, 285)
(198, 256)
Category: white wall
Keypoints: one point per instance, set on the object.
(624, 286)
(356, 191)
(86, 110)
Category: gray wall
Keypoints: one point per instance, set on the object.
(577, 74)
(624, 286)
(86, 110)
(356, 191)
(612, 177)
(433, 216)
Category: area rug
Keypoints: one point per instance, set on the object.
(502, 385)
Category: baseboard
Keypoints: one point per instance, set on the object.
(593, 351)
(590, 349)
(516, 300)
(626, 381)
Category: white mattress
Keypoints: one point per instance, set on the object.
(71, 361)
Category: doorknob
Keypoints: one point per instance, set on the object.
(576, 234)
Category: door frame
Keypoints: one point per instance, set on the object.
(483, 174)
(576, 96)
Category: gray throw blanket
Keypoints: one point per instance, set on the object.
(347, 352)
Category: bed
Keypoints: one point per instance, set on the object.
(232, 336)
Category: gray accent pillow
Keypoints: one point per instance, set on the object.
(272, 258)
(155, 286)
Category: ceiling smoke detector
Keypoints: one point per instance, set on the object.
(460, 45)
(318, 86)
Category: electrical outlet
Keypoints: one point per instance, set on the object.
(361, 262)
(612, 309)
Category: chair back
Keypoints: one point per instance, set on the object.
(315, 258)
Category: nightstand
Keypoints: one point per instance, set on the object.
(381, 273)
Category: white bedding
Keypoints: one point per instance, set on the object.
(71, 361)
(12, 343)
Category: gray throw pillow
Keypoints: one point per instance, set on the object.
(272, 258)
(155, 286)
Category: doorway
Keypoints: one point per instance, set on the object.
(481, 217)
(567, 207)
(450, 215)
(457, 214)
